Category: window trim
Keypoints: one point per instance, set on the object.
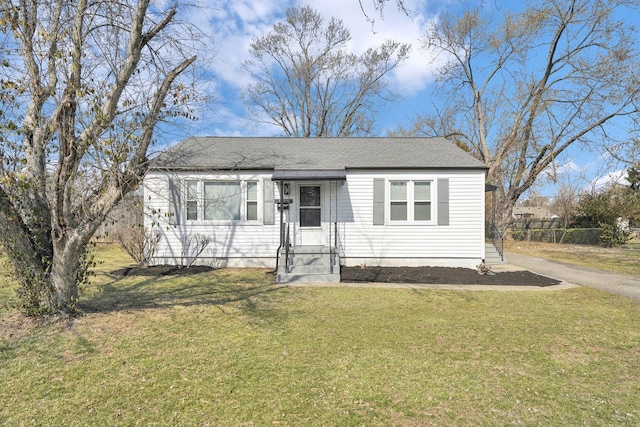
(243, 192)
(245, 185)
(411, 202)
(189, 199)
(428, 201)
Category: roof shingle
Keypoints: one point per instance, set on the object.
(242, 153)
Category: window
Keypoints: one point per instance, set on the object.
(398, 199)
(222, 200)
(410, 201)
(252, 201)
(422, 201)
(192, 200)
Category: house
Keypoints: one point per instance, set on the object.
(532, 212)
(307, 206)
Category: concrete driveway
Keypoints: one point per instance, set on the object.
(620, 284)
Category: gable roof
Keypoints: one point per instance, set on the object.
(242, 153)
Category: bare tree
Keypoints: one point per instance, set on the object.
(306, 83)
(519, 89)
(564, 202)
(84, 85)
(625, 153)
(380, 5)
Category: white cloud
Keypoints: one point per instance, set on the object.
(614, 177)
(570, 167)
(417, 72)
(230, 26)
(235, 24)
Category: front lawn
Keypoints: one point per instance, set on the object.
(623, 259)
(232, 348)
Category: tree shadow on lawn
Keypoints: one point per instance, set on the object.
(135, 288)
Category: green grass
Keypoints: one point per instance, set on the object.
(622, 259)
(232, 348)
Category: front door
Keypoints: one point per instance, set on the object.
(310, 215)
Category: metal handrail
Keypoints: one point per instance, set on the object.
(497, 239)
(287, 245)
(333, 249)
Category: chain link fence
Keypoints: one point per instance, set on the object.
(553, 231)
(578, 236)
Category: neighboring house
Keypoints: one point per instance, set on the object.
(532, 212)
(307, 206)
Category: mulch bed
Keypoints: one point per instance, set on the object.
(424, 275)
(161, 270)
(441, 276)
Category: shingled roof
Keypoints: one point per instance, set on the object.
(242, 153)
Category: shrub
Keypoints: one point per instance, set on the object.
(192, 247)
(613, 235)
(139, 243)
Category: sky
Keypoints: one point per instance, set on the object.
(232, 24)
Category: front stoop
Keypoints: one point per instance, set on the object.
(491, 255)
(308, 264)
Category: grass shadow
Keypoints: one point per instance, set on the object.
(165, 290)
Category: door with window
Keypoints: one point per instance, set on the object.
(310, 215)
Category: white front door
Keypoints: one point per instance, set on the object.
(310, 215)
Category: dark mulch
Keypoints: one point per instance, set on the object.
(442, 276)
(162, 270)
(425, 275)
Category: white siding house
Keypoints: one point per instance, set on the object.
(307, 206)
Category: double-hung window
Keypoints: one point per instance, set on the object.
(192, 200)
(422, 201)
(410, 201)
(252, 201)
(398, 200)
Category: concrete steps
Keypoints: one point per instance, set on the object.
(491, 255)
(308, 264)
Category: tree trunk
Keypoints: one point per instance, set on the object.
(66, 268)
(503, 205)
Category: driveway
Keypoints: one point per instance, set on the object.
(620, 284)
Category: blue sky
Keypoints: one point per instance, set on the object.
(233, 24)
